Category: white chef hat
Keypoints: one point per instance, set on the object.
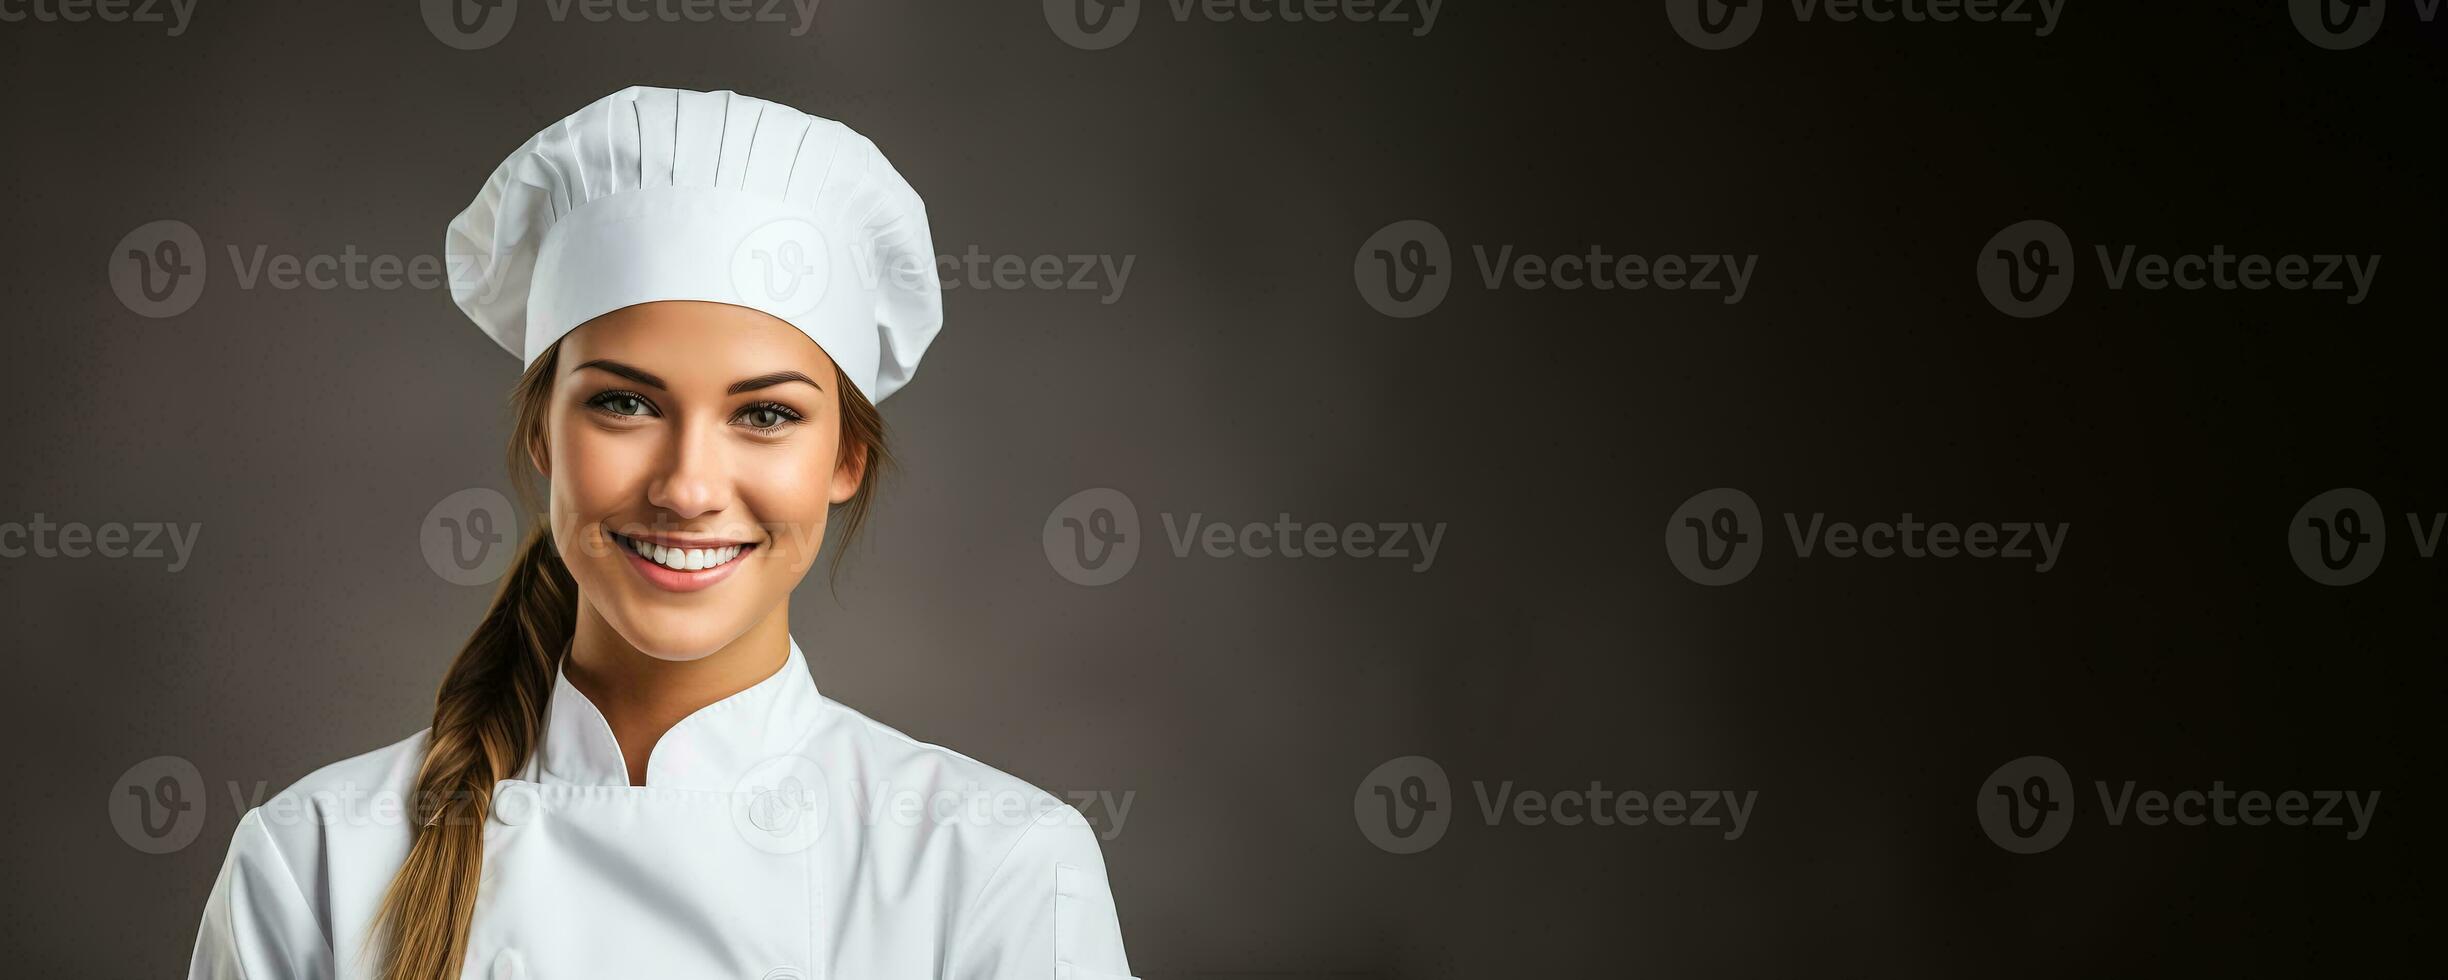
(663, 194)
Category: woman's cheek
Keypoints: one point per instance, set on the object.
(598, 476)
(608, 472)
(788, 494)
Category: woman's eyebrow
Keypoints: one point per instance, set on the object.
(625, 371)
(770, 380)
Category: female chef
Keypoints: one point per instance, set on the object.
(630, 772)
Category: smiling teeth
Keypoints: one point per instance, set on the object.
(683, 559)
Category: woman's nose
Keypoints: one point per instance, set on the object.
(695, 478)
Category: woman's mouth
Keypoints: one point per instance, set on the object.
(674, 567)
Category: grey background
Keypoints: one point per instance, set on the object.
(1241, 376)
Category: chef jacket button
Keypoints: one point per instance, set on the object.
(509, 965)
(514, 805)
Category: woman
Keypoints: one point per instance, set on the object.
(629, 772)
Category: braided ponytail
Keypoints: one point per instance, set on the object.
(486, 720)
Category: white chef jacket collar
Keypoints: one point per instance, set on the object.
(711, 749)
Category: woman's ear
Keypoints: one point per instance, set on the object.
(850, 471)
(538, 456)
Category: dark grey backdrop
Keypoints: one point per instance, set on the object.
(1242, 374)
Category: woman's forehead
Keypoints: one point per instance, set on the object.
(715, 342)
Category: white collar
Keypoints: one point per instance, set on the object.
(711, 749)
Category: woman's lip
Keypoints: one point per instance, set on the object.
(675, 541)
(674, 580)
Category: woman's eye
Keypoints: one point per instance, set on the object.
(767, 416)
(622, 403)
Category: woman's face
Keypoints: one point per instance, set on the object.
(693, 449)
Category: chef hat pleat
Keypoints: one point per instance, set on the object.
(663, 194)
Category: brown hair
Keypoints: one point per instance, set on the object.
(491, 703)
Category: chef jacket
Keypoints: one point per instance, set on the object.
(779, 836)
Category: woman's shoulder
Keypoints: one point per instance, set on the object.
(328, 842)
(358, 781)
(1034, 885)
(902, 771)
(362, 798)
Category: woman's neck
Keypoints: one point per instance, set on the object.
(642, 696)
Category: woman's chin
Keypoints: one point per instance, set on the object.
(676, 645)
(665, 630)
